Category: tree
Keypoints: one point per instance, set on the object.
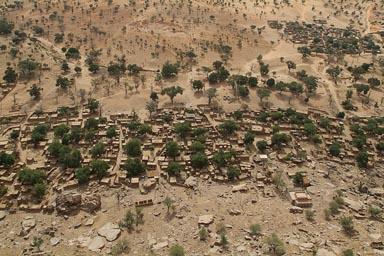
(73, 53)
(228, 127)
(232, 173)
(199, 160)
(98, 150)
(243, 91)
(60, 130)
(154, 96)
(176, 250)
(213, 78)
(298, 179)
(93, 68)
(14, 134)
(253, 81)
(295, 89)
(309, 129)
(93, 105)
(309, 215)
(263, 93)
(221, 158)
(197, 84)
(78, 70)
(144, 129)
(197, 146)
(116, 70)
(31, 176)
(290, 65)
(264, 69)
(27, 67)
(35, 91)
(10, 75)
(134, 167)
(91, 124)
(374, 212)
(276, 245)
(211, 93)
(63, 82)
(280, 138)
(100, 168)
(128, 221)
(359, 141)
(139, 218)
(261, 145)
(374, 82)
(173, 168)
(182, 129)
(305, 51)
(334, 73)
(70, 158)
(334, 149)
(38, 133)
(172, 92)
(172, 149)
(65, 67)
(6, 27)
(39, 190)
(111, 132)
(361, 88)
(7, 159)
(249, 137)
(133, 148)
(82, 174)
(362, 159)
(151, 106)
(169, 70)
(59, 37)
(168, 203)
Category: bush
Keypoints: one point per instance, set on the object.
(347, 224)
(122, 247)
(334, 149)
(255, 229)
(176, 250)
(348, 252)
(39, 190)
(309, 215)
(362, 159)
(374, 212)
(203, 234)
(261, 145)
(276, 245)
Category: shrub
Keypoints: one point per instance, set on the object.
(31, 176)
(255, 229)
(347, 224)
(176, 250)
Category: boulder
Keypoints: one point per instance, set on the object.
(160, 246)
(205, 219)
(110, 231)
(96, 244)
(72, 202)
(149, 183)
(190, 182)
(28, 223)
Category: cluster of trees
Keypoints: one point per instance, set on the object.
(36, 178)
(132, 220)
(6, 159)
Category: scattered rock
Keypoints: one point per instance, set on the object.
(110, 231)
(160, 246)
(89, 222)
(241, 248)
(2, 214)
(205, 219)
(149, 183)
(54, 241)
(96, 244)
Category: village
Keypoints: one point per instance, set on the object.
(191, 128)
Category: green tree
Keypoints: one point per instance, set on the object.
(168, 202)
(98, 150)
(73, 53)
(172, 92)
(133, 148)
(7, 159)
(182, 129)
(31, 176)
(280, 138)
(93, 105)
(39, 190)
(263, 93)
(154, 96)
(169, 70)
(199, 160)
(334, 73)
(10, 75)
(82, 174)
(290, 65)
(35, 92)
(116, 70)
(93, 68)
(249, 137)
(232, 173)
(309, 129)
(305, 51)
(197, 146)
(221, 158)
(335, 149)
(134, 167)
(151, 106)
(38, 133)
(128, 221)
(173, 168)
(78, 69)
(172, 149)
(63, 82)
(197, 84)
(348, 252)
(145, 129)
(261, 145)
(298, 179)
(65, 67)
(27, 67)
(362, 159)
(6, 27)
(111, 132)
(61, 130)
(228, 127)
(100, 168)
